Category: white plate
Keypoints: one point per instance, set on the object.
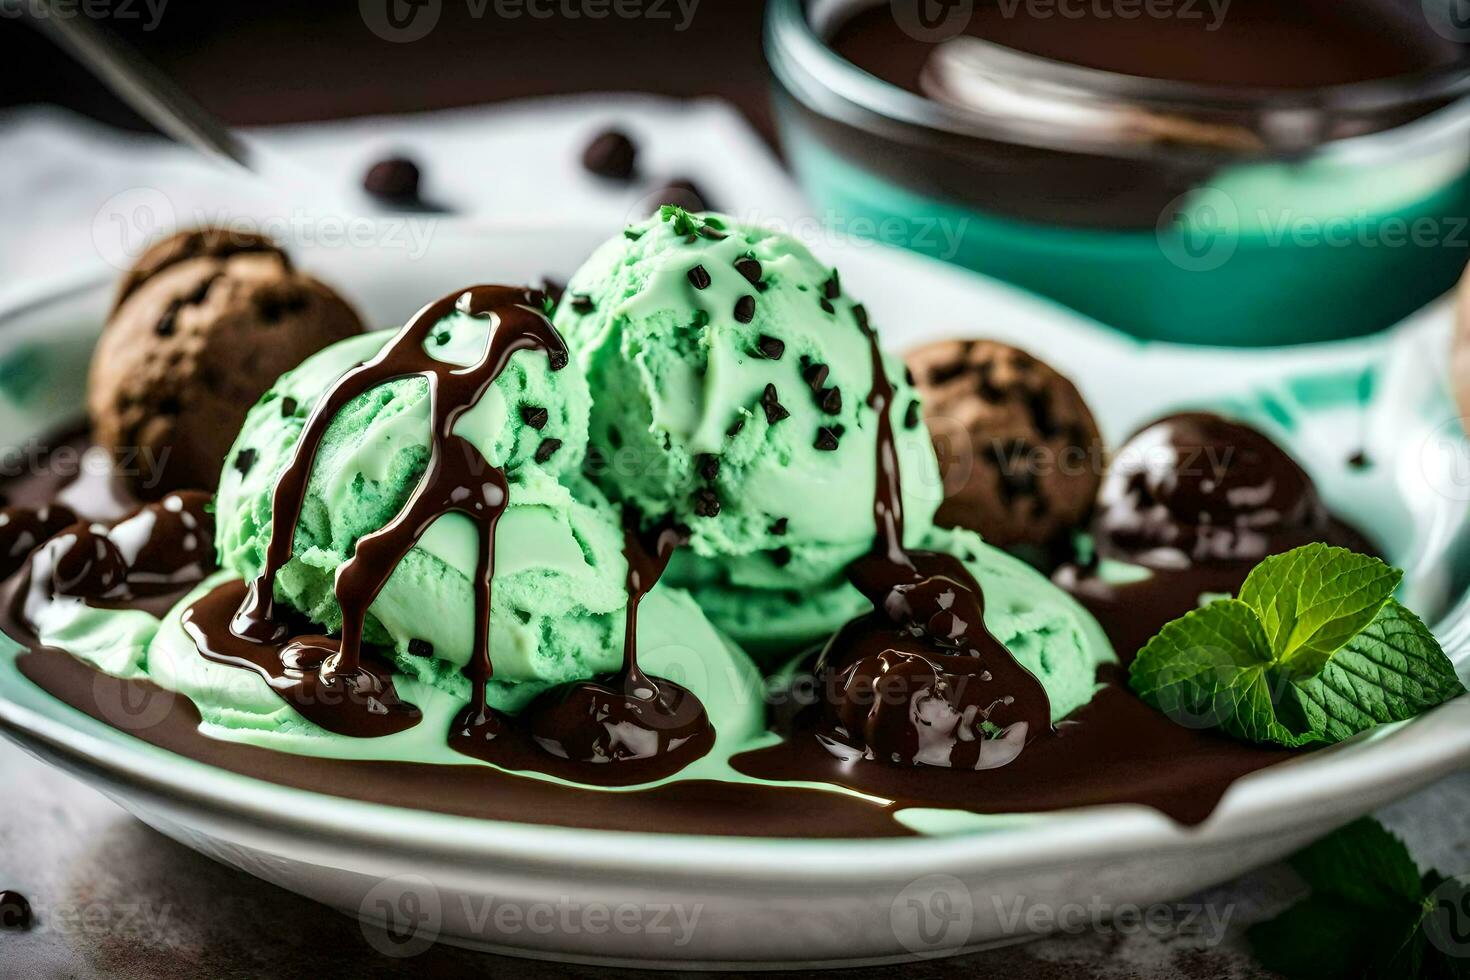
(688, 901)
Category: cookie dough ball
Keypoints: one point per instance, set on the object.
(1018, 447)
(192, 346)
(195, 243)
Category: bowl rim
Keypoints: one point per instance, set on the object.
(825, 82)
(1373, 762)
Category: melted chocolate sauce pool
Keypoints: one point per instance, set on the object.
(920, 695)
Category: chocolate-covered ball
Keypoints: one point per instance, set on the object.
(1018, 447)
(194, 344)
(1196, 488)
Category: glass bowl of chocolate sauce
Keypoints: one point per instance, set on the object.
(1222, 172)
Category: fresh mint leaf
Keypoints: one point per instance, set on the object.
(1212, 668)
(1313, 599)
(1391, 671)
(1369, 914)
(1315, 650)
(682, 221)
(1363, 863)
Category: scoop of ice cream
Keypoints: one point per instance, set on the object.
(731, 372)
(190, 349)
(1019, 450)
(1198, 488)
(559, 567)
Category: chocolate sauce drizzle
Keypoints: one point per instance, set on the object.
(457, 480)
(650, 726)
(920, 680)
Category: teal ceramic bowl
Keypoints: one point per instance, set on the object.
(1355, 218)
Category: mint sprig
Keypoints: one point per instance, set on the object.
(1315, 650)
(1370, 915)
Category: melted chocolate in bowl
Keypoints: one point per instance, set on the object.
(922, 706)
(1252, 44)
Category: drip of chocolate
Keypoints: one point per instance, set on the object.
(634, 717)
(920, 680)
(458, 479)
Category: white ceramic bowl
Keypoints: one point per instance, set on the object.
(719, 902)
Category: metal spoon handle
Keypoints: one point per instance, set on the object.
(151, 93)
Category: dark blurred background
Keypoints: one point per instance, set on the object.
(285, 61)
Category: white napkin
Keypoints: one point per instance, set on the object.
(79, 194)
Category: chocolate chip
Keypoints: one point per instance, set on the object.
(547, 449)
(699, 277)
(814, 373)
(535, 416)
(395, 179)
(557, 358)
(750, 269)
(860, 314)
(827, 438)
(775, 411)
(781, 557)
(771, 348)
(911, 417)
(832, 288)
(707, 230)
(709, 466)
(244, 461)
(735, 427)
(745, 309)
(826, 306)
(908, 375)
(779, 525)
(441, 338)
(611, 154)
(201, 291)
(829, 400)
(166, 323)
(15, 911)
(582, 303)
(683, 194)
(420, 648)
(706, 503)
(632, 234)
(288, 407)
